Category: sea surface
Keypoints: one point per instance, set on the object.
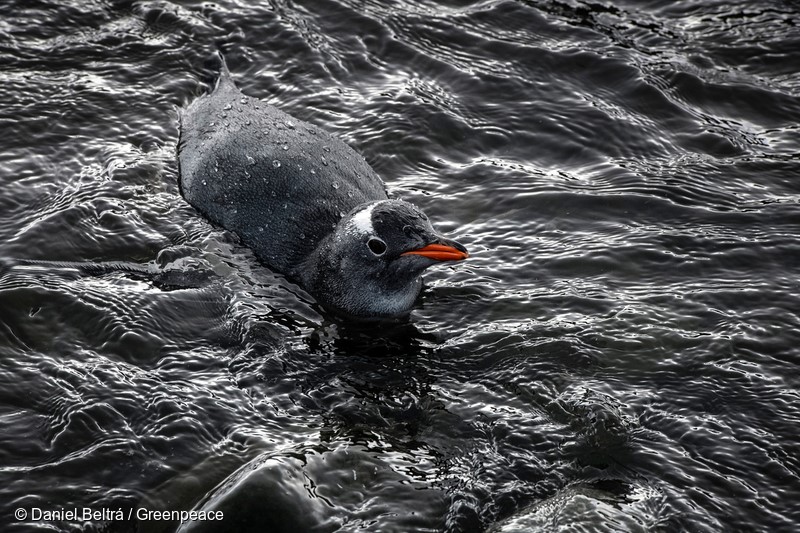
(619, 353)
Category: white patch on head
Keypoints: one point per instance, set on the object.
(362, 221)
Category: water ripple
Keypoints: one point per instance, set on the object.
(617, 354)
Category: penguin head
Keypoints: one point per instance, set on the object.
(370, 267)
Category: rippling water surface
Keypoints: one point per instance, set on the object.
(619, 353)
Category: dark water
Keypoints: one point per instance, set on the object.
(619, 353)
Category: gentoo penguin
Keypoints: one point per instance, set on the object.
(307, 204)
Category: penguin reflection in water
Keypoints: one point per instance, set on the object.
(307, 204)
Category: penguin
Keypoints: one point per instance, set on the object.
(307, 204)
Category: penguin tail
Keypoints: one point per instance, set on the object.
(224, 78)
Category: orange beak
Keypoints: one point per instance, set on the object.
(439, 252)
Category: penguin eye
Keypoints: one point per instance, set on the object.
(376, 246)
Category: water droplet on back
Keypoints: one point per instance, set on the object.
(276, 164)
(250, 160)
(227, 106)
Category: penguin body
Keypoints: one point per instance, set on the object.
(307, 204)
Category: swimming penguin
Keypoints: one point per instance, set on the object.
(307, 204)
